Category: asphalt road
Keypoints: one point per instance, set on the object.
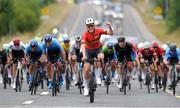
(136, 97)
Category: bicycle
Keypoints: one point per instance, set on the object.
(68, 72)
(108, 74)
(55, 79)
(126, 77)
(148, 77)
(164, 78)
(140, 78)
(156, 78)
(19, 76)
(174, 76)
(80, 77)
(37, 78)
(92, 81)
(4, 73)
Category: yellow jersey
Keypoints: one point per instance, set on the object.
(66, 47)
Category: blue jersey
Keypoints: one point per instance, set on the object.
(34, 54)
(55, 46)
(169, 55)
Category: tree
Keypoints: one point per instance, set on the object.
(6, 16)
(173, 17)
(27, 15)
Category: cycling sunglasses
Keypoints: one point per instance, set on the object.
(90, 26)
(155, 47)
(66, 41)
(146, 48)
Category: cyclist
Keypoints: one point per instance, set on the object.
(91, 47)
(53, 53)
(147, 54)
(34, 52)
(172, 54)
(124, 50)
(75, 55)
(159, 52)
(16, 50)
(110, 54)
(66, 44)
(3, 60)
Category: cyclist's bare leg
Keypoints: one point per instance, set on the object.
(119, 75)
(14, 68)
(100, 56)
(49, 70)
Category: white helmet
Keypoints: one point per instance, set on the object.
(90, 21)
(147, 44)
(140, 45)
(5, 46)
(164, 46)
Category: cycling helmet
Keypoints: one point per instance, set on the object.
(172, 46)
(65, 38)
(16, 41)
(147, 45)
(90, 21)
(78, 38)
(48, 38)
(109, 45)
(121, 39)
(140, 45)
(5, 46)
(155, 44)
(164, 46)
(33, 43)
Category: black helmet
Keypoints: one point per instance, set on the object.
(172, 46)
(121, 39)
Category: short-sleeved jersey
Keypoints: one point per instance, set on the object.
(16, 48)
(92, 41)
(34, 54)
(65, 47)
(146, 55)
(124, 52)
(169, 55)
(55, 46)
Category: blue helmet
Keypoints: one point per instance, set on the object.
(65, 38)
(109, 45)
(48, 37)
(33, 43)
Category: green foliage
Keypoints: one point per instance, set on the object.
(27, 15)
(173, 18)
(20, 15)
(6, 15)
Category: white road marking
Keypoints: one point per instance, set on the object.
(178, 97)
(44, 93)
(28, 102)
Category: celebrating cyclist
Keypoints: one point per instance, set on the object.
(91, 48)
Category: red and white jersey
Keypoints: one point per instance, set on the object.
(13, 47)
